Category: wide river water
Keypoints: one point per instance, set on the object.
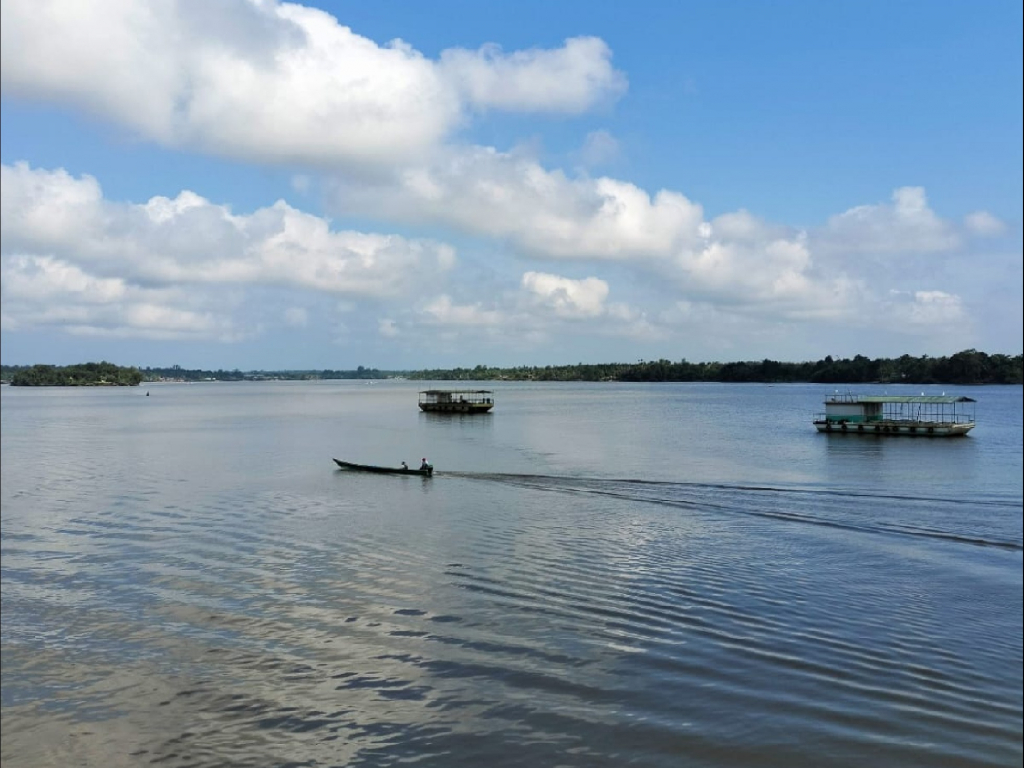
(596, 575)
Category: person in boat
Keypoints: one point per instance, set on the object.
(424, 464)
(405, 466)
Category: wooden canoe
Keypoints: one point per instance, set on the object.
(384, 470)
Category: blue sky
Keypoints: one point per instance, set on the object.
(267, 185)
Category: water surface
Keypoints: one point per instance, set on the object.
(609, 574)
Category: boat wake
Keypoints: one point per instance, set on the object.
(937, 518)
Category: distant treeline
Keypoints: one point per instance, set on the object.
(102, 374)
(967, 367)
(89, 374)
(177, 373)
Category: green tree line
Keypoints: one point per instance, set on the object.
(966, 367)
(83, 375)
(177, 373)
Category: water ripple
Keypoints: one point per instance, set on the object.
(503, 619)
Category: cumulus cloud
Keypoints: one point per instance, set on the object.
(569, 298)
(189, 239)
(544, 308)
(277, 82)
(569, 79)
(545, 213)
(280, 82)
(984, 224)
(179, 267)
(443, 311)
(59, 236)
(736, 258)
(44, 278)
(554, 304)
(927, 309)
(741, 262)
(44, 291)
(907, 225)
(753, 265)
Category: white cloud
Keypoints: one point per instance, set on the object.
(742, 227)
(43, 291)
(188, 239)
(543, 212)
(442, 311)
(48, 206)
(170, 320)
(279, 82)
(906, 226)
(60, 238)
(752, 265)
(274, 81)
(43, 278)
(569, 79)
(928, 309)
(569, 298)
(745, 264)
(984, 224)
(545, 309)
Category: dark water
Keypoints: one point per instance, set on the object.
(671, 575)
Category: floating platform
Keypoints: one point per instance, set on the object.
(456, 400)
(907, 415)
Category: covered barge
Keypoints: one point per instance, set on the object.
(456, 400)
(911, 415)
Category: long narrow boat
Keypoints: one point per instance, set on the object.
(385, 470)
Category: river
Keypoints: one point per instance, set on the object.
(596, 575)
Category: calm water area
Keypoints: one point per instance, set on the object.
(596, 575)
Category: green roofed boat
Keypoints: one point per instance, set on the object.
(910, 415)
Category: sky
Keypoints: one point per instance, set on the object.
(403, 185)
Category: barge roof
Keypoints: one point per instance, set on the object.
(455, 391)
(939, 399)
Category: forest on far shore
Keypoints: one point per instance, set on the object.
(967, 367)
(101, 374)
